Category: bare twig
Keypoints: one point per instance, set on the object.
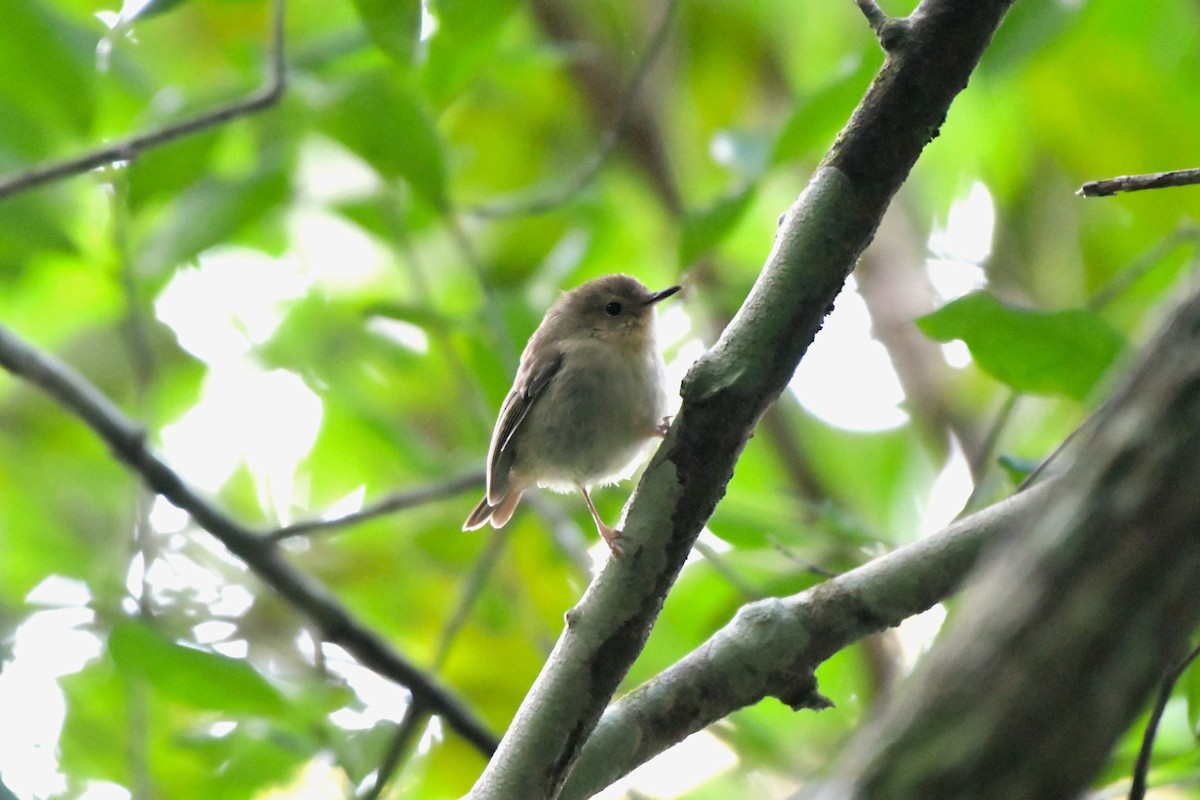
(416, 713)
(1186, 234)
(1142, 767)
(890, 31)
(1137, 183)
(130, 148)
(470, 592)
(599, 80)
(543, 202)
(397, 501)
(731, 576)
(874, 14)
(986, 451)
(128, 443)
(414, 720)
(492, 316)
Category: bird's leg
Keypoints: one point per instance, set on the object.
(611, 535)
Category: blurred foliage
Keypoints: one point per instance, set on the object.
(344, 224)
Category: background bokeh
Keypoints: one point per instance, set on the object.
(311, 307)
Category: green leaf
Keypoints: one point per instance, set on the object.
(466, 35)
(169, 170)
(393, 25)
(706, 228)
(1040, 352)
(30, 224)
(95, 732)
(386, 125)
(193, 677)
(47, 61)
(815, 121)
(210, 212)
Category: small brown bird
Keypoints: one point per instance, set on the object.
(588, 396)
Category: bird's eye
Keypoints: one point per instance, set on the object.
(613, 308)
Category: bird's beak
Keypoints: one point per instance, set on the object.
(663, 295)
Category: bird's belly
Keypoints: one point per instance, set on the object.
(589, 429)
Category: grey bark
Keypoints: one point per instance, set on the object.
(1061, 641)
(931, 56)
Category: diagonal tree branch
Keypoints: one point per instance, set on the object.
(773, 647)
(728, 390)
(130, 148)
(128, 443)
(1062, 637)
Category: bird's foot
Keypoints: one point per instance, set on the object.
(612, 537)
(662, 427)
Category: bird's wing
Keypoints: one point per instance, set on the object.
(532, 380)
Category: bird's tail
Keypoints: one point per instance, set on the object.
(497, 514)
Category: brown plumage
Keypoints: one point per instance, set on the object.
(587, 398)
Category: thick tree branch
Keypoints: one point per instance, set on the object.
(128, 443)
(729, 389)
(130, 148)
(773, 647)
(1063, 637)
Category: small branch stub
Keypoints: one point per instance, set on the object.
(889, 30)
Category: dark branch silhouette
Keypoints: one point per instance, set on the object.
(130, 148)
(729, 388)
(128, 443)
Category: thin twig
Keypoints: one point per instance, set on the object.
(492, 314)
(128, 149)
(874, 14)
(128, 443)
(982, 458)
(550, 199)
(722, 567)
(469, 593)
(890, 31)
(1041, 468)
(1186, 233)
(416, 714)
(1142, 767)
(397, 501)
(1137, 183)
(1106, 295)
(414, 719)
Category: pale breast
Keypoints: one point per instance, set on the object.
(598, 414)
